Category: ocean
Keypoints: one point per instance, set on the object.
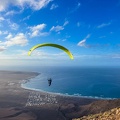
(94, 82)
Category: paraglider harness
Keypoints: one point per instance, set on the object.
(49, 81)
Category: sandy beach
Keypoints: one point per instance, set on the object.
(17, 103)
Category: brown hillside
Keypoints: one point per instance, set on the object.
(113, 114)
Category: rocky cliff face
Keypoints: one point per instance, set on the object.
(113, 114)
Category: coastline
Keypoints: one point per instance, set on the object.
(17, 103)
(61, 94)
(67, 95)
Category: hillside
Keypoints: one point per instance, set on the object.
(113, 114)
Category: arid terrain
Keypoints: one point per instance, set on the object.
(113, 114)
(17, 103)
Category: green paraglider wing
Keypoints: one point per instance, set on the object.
(51, 45)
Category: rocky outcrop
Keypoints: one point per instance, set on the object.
(113, 114)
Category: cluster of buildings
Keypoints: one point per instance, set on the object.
(36, 99)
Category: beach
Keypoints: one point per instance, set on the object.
(17, 103)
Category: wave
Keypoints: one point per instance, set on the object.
(69, 95)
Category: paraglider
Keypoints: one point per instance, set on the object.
(51, 45)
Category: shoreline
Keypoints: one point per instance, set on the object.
(67, 95)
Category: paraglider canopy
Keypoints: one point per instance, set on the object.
(51, 45)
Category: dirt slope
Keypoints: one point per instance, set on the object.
(113, 114)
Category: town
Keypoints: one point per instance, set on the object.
(35, 98)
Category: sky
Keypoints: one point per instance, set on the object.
(90, 29)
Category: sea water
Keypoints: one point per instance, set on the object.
(96, 82)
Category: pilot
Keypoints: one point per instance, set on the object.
(49, 81)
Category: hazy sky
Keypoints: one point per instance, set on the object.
(90, 29)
